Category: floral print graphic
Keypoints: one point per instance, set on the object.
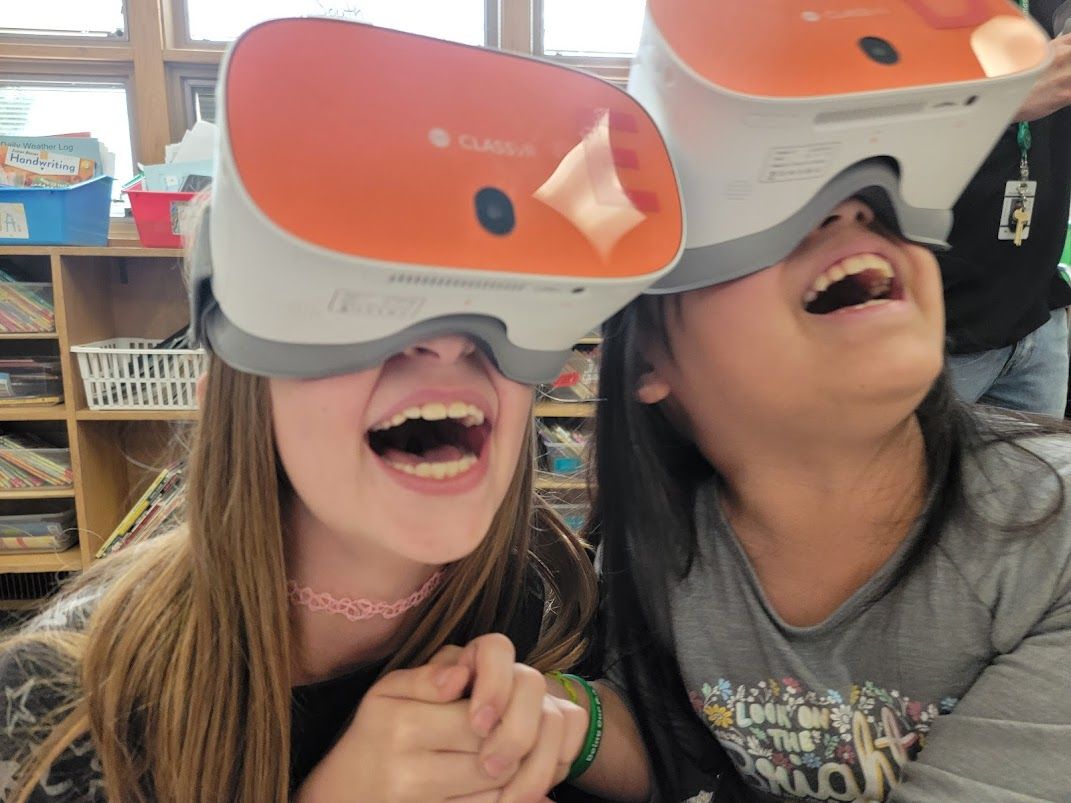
(834, 744)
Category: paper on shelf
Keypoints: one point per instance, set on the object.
(198, 144)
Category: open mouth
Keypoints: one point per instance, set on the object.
(437, 440)
(865, 280)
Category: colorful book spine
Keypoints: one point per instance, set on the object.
(132, 516)
(150, 512)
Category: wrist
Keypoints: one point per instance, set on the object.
(582, 693)
(561, 686)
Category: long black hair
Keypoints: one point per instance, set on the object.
(647, 474)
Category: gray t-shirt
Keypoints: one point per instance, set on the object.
(952, 683)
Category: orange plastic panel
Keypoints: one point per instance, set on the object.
(774, 49)
(373, 142)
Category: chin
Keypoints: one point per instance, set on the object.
(441, 546)
(907, 388)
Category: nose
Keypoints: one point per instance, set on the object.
(853, 210)
(447, 348)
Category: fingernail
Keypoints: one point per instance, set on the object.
(495, 766)
(484, 721)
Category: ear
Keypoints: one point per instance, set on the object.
(202, 386)
(653, 387)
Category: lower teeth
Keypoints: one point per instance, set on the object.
(871, 303)
(437, 471)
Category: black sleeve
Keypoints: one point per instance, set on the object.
(35, 692)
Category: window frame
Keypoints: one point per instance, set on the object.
(158, 63)
(182, 79)
(96, 73)
(180, 39)
(69, 39)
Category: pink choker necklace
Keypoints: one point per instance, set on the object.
(357, 610)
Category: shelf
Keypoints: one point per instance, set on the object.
(16, 412)
(69, 560)
(594, 340)
(37, 493)
(29, 336)
(136, 415)
(546, 483)
(18, 605)
(122, 248)
(548, 409)
(119, 251)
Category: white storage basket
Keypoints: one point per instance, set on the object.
(131, 374)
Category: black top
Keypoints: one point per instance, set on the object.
(320, 712)
(995, 292)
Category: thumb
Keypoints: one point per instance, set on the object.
(431, 683)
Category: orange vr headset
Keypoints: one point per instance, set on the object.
(776, 112)
(374, 188)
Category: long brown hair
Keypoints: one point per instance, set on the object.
(181, 675)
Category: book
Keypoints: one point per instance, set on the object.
(49, 161)
(38, 532)
(27, 461)
(151, 512)
(23, 307)
(175, 176)
(30, 381)
(31, 525)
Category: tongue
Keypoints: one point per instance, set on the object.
(437, 454)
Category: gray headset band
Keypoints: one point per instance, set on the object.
(876, 181)
(256, 355)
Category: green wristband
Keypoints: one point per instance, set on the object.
(594, 737)
(564, 681)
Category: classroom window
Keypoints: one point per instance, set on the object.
(601, 28)
(41, 108)
(96, 18)
(200, 101)
(459, 20)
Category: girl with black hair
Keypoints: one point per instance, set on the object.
(825, 578)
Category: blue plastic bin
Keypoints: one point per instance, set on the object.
(76, 215)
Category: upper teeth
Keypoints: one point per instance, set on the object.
(848, 267)
(469, 415)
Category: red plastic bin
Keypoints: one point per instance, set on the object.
(158, 215)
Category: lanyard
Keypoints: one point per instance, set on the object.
(1023, 134)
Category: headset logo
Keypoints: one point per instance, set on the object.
(441, 138)
(843, 14)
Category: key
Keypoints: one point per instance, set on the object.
(1020, 216)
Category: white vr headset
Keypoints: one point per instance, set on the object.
(774, 115)
(375, 188)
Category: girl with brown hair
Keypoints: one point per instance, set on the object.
(361, 516)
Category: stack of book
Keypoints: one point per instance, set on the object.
(154, 512)
(38, 532)
(23, 307)
(34, 381)
(27, 461)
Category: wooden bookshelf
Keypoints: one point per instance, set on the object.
(550, 483)
(35, 493)
(118, 290)
(69, 560)
(18, 412)
(136, 415)
(122, 290)
(549, 409)
(28, 336)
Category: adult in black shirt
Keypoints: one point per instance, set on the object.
(1006, 304)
